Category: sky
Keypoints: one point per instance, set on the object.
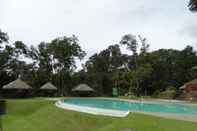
(100, 23)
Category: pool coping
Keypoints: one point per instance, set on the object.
(153, 101)
(92, 110)
(130, 100)
(150, 101)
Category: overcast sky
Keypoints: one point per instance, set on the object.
(99, 23)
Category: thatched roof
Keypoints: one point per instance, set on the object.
(48, 86)
(192, 82)
(17, 84)
(82, 87)
(182, 87)
(188, 83)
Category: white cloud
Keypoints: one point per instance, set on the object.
(97, 23)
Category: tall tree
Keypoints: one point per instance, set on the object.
(193, 5)
(4, 56)
(56, 60)
(64, 52)
(144, 47)
(102, 69)
(132, 44)
(3, 37)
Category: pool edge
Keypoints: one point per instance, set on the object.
(91, 110)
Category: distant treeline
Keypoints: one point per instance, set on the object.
(142, 73)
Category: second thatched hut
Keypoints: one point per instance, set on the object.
(83, 90)
(48, 89)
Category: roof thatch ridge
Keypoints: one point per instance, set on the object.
(82, 87)
(17, 84)
(48, 86)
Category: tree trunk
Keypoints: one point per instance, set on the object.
(130, 87)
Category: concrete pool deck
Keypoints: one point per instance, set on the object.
(190, 118)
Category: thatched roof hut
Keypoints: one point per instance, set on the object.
(192, 82)
(182, 87)
(83, 88)
(190, 86)
(48, 86)
(17, 84)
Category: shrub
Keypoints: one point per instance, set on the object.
(171, 88)
(156, 94)
(170, 93)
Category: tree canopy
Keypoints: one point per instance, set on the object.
(141, 72)
(193, 5)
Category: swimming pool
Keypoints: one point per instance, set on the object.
(123, 105)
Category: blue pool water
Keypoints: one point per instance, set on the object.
(179, 108)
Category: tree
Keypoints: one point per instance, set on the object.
(64, 50)
(5, 51)
(4, 57)
(140, 75)
(131, 42)
(3, 37)
(11, 58)
(193, 5)
(144, 47)
(102, 69)
(138, 67)
(55, 61)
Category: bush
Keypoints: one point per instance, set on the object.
(156, 94)
(169, 93)
(171, 88)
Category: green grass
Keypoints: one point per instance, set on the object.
(42, 115)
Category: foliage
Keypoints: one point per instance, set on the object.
(168, 94)
(136, 71)
(102, 69)
(3, 37)
(53, 61)
(142, 72)
(193, 5)
(56, 61)
(194, 68)
(171, 88)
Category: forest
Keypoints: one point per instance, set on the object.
(143, 72)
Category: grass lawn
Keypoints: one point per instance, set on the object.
(42, 115)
